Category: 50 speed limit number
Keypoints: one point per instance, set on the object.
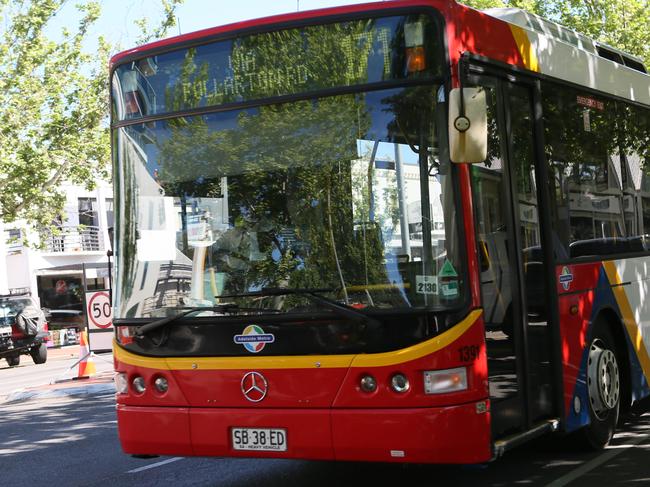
(99, 309)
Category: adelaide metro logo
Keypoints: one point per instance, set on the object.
(254, 339)
(566, 278)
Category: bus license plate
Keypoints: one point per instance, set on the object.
(261, 439)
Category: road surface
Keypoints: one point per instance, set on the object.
(57, 367)
(72, 441)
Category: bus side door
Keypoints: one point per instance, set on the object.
(513, 261)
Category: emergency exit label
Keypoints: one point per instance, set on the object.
(98, 309)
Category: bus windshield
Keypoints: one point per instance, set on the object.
(310, 157)
(351, 193)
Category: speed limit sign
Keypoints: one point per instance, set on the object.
(98, 309)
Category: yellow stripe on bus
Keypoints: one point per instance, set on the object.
(633, 329)
(421, 349)
(526, 49)
(302, 361)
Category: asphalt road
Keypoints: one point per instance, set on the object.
(58, 364)
(72, 442)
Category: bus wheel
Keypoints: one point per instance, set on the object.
(604, 385)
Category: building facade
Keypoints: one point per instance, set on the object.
(52, 265)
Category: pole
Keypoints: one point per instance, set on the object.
(109, 253)
(403, 207)
(83, 301)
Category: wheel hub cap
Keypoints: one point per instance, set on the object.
(603, 379)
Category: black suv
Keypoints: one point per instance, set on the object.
(23, 330)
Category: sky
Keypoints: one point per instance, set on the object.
(116, 22)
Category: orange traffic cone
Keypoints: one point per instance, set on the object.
(86, 364)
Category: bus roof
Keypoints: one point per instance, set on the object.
(556, 51)
(552, 29)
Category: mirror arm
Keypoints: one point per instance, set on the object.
(460, 85)
(461, 122)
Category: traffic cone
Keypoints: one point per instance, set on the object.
(86, 364)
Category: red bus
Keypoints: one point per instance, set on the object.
(404, 231)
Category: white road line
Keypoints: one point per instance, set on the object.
(154, 465)
(596, 462)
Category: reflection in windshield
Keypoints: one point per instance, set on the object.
(346, 192)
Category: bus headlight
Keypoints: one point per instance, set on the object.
(139, 385)
(121, 383)
(368, 383)
(443, 381)
(161, 384)
(399, 383)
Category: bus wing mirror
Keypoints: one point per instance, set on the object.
(468, 130)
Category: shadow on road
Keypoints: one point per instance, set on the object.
(28, 426)
(537, 463)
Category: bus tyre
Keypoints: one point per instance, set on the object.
(604, 386)
(13, 361)
(39, 354)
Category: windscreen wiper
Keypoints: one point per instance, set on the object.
(312, 293)
(339, 309)
(220, 308)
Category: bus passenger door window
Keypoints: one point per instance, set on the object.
(536, 337)
(513, 271)
(491, 195)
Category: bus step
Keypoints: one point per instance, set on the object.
(509, 442)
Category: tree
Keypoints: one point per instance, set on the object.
(53, 107)
(624, 24)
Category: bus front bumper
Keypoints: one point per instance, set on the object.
(456, 434)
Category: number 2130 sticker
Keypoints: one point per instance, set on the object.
(426, 284)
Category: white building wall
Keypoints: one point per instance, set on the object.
(19, 268)
(18, 271)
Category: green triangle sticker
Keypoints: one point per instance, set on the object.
(448, 270)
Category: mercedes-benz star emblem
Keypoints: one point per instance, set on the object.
(254, 386)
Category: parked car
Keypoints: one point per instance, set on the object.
(71, 337)
(23, 330)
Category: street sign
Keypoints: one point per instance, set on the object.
(100, 320)
(99, 310)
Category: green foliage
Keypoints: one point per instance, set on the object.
(53, 106)
(161, 30)
(483, 4)
(624, 24)
(53, 102)
(280, 180)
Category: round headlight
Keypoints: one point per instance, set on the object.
(399, 383)
(368, 383)
(139, 385)
(161, 384)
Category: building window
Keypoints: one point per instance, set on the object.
(14, 240)
(110, 215)
(88, 212)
